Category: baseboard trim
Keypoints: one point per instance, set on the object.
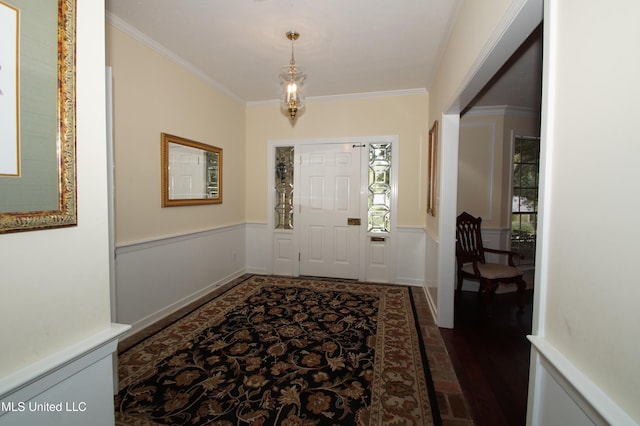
(433, 305)
(408, 281)
(178, 306)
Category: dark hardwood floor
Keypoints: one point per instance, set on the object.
(491, 357)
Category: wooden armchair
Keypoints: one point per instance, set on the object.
(471, 262)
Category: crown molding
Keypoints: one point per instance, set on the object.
(369, 95)
(141, 37)
(501, 110)
(349, 96)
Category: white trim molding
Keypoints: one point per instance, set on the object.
(69, 385)
(348, 96)
(287, 240)
(562, 394)
(502, 111)
(410, 256)
(157, 277)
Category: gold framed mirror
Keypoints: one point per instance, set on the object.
(38, 184)
(191, 172)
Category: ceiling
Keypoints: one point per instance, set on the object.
(519, 81)
(345, 46)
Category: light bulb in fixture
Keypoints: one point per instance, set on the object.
(292, 78)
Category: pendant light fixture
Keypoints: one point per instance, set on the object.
(292, 78)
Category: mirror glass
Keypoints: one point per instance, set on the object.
(191, 172)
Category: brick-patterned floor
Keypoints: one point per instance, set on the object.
(454, 409)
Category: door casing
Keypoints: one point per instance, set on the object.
(291, 237)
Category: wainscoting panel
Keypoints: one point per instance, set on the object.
(560, 394)
(257, 248)
(406, 267)
(377, 259)
(156, 278)
(431, 273)
(410, 256)
(72, 387)
(431, 266)
(285, 255)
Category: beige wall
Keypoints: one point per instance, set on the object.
(474, 26)
(55, 283)
(484, 161)
(592, 154)
(475, 23)
(479, 174)
(153, 95)
(405, 116)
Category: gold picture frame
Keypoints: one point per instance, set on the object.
(432, 161)
(61, 118)
(191, 172)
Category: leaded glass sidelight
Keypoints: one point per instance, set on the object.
(379, 214)
(284, 187)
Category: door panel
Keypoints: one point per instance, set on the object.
(329, 196)
(316, 243)
(186, 177)
(342, 244)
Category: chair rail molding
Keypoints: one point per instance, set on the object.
(72, 381)
(558, 389)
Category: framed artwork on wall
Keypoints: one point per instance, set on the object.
(37, 63)
(432, 153)
(9, 60)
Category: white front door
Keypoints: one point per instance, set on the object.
(329, 213)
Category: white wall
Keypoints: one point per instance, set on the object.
(588, 250)
(157, 277)
(55, 283)
(69, 287)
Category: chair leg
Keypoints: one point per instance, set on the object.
(459, 280)
(488, 290)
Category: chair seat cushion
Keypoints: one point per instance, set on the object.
(493, 271)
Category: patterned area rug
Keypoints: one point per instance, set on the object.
(281, 351)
